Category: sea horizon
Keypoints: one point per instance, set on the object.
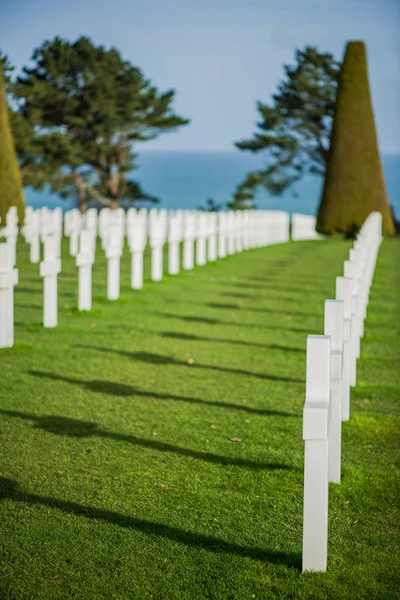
(185, 179)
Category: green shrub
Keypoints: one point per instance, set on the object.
(11, 190)
(354, 185)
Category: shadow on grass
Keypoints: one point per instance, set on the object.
(159, 359)
(39, 290)
(84, 429)
(275, 288)
(260, 310)
(319, 282)
(28, 306)
(29, 290)
(119, 389)
(213, 321)
(69, 275)
(9, 489)
(197, 338)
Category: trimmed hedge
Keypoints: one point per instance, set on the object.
(354, 185)
(11, 189)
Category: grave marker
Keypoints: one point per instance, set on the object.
(137, 238)
(212, 237)
(189, 233)
(157, 237)
(50, 267)
(8, 279)
(316, 416)
(201, 238)
(343, 292)
(84, 261)
(113, 255)
(333, 327)
(175, 226)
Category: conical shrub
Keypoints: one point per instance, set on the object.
(354, 185)
(11, 190)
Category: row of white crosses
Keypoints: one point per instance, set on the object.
(331, 371)
(204, 237)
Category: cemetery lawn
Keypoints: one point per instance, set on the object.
(152, 449)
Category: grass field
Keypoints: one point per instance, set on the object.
(121, 476)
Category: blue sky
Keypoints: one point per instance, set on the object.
(222, 55)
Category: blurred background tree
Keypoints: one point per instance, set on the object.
(354, 184)
(76, 115)
(294, 130)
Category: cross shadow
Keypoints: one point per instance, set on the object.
(32, 279)
(84, 429)
(369, 326)
(9, 489)
(260, 310)
(27, 306)
(119, 389)
(29, 291)
(214, 321)
(293, 280)
(197, 338)
(159, 359)
(277, 288)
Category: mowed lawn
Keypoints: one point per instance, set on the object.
(152, 448)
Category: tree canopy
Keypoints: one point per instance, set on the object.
(77, 113)
(294, 129)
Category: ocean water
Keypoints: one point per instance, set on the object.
(187, 179)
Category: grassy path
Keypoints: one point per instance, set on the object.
(121, 476)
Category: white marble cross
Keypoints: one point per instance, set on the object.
(350, 271)
(238, 230)
(34, 237)
(113, 254)
(103, 223)
(58, 227)
(27, 221)
(189, 234)
(222, 229)
(230, 231)
(8, 279)
(175, 233)
(50, 267)
(316, 417)
(84, 261)
(212, 237)
(72, 228)
(137, 239)
(90, 220)
(343, 292)
(157, 237)
(10, 232)
(333, 327)
(201, 237)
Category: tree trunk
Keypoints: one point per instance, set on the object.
(82, 200)
(82, 194)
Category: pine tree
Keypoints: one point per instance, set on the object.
(79, 111)
(354, 185)
(293, 130)
(11, 190)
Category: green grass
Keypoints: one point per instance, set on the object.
(120, 479)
